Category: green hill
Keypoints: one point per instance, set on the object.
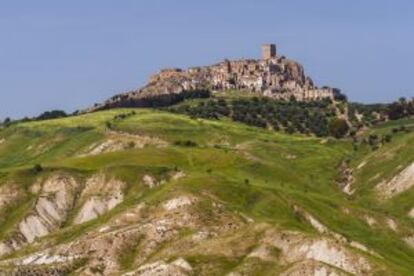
(143, 191)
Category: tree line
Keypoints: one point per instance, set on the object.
(314, 117)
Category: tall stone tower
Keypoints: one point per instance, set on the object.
(268, 51)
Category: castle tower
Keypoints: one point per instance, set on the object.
(268, 51)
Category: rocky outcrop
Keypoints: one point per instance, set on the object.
(276, 77)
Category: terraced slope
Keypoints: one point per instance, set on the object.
(155, 193)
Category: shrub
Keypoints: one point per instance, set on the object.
(53, 114)
(37, 168)
(338, 128)
(187, 143)
(387, 138)
(373, 140)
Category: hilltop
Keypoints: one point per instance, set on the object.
(272, 76)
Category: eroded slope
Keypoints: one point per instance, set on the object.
(181, 196)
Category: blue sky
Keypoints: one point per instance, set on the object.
(71, 54)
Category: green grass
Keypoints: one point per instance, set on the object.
(253, 171)
(129, 252)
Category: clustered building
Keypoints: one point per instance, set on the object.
(274, 76)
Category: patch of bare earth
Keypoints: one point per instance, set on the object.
(398, 184)
(322, 229)
(345, 179)
(152, 182)
(185, 225)
(153, 226)
(56, 198)
(296, 247)
(411, 213)
(99, 196)
(315, 268)
(409, 241)
(163, 268)
(243, 149)
(120, 141)
(9, 193)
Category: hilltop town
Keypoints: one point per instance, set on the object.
(274, 76)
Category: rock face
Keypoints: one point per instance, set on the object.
(273, 76)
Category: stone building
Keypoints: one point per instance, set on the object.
(268, 51)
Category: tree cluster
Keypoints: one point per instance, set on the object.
(372, 114)
(314, 117)
(401, 109)
(154, 100)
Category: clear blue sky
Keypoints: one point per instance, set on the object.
(71, 54)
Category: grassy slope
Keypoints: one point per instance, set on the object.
(255, 171)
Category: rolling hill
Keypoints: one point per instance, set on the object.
(150, 192)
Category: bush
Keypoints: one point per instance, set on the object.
(7, 122)
(373, 140)
(54, 114)
(187, 143)
(37, 168)
(338, 128)
(387, 138)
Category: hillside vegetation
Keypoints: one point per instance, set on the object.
(144, 191)
(319, 117)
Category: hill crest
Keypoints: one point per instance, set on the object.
(273, 76)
